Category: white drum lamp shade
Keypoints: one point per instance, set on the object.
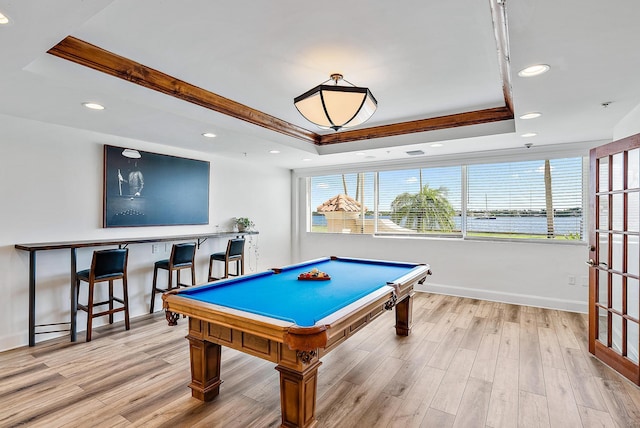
(335, 107)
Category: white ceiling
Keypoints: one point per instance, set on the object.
(420, 59)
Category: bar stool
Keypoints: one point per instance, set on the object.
(234, 253)
(106, 265)
(182, 257)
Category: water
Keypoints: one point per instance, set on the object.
(527, 225)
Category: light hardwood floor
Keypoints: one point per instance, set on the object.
(467, 363)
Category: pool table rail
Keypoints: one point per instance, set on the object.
(259, 325)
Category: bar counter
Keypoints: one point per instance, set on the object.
(73, 246)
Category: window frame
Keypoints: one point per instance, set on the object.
(573, 150)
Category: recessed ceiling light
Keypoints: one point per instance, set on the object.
(534, 70)
(209, 135)
(274, 152)
(306, 160)
(360, 154)
(529, 134)
(3, 19)
(436, 145)
(532, 115)
(93, 106)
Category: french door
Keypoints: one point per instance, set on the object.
(614, 237)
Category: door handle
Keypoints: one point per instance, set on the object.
(592, 263)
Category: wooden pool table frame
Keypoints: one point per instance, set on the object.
(296, 350)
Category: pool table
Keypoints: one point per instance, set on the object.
(292, 322)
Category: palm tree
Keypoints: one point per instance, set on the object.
(424, 211)
(548, 198)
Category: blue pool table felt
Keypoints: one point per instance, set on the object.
(283, 296)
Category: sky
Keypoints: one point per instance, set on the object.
(511, 185)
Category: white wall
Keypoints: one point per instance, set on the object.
(51, 190)
(629, 125)
(526, 273)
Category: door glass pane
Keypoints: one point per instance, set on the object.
(616, 259)
(602, 325)
(617, 214)
(603, 288)
(633, 168)
(633, 300)
(603, 175)
(616, 331)
(603, 248)
(616, 292)
(633, 259)
(618, 171)
(632, 341)
(603, 210)
(633, 212)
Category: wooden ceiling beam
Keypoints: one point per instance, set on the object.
(83, 53)
(475, 117)
(94, 57)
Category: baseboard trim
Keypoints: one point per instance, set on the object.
(13, 341)
(504, 297)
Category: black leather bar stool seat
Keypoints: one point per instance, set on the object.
(182, 257)
(234, 253)
(106, 265)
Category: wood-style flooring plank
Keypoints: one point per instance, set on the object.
(447, 349)
(380, 412)
(620, 405)
(473, 336)
(531, 375)
(405, 377)
(550, 351)
(484, 366)
(437, 419)
(474, 405)
(451, 389)
(585, 387)
(533, 411)
(510, 341)
(595, 419)
(416, 404)
(503, 405)
(466, 363)
(563, 410)
(357, 401)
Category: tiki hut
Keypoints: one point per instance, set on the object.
(341, 213)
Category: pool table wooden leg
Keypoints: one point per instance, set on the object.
(205, 369)
(404, 318)
(298, 395)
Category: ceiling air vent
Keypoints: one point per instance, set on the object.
(415, 152)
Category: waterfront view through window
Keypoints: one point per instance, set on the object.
(541, 199)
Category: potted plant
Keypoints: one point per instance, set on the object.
(243, 223)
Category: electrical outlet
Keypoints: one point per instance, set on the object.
(584, 281)
(155, 248)
(572, 280)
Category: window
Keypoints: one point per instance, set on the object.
(497, 200)
(510, 199)
(339, 202)
(426, 200)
